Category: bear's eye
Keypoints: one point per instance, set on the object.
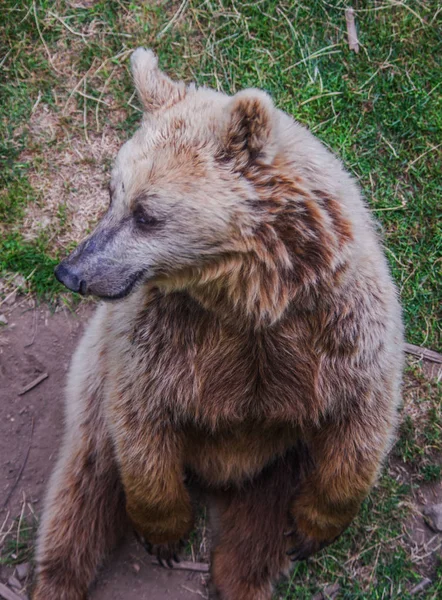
(111, 190)
(142, 218)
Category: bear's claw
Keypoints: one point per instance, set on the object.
(166, 554)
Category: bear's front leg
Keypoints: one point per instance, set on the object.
(83, 515)
(157, 501)
(345, 460)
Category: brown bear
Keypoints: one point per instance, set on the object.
(255, 350)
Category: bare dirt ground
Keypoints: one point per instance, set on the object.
(34, 342)
(37, 341)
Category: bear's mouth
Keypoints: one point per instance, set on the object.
(132, 282)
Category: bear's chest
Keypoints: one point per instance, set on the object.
(223, 457)
(177, 358)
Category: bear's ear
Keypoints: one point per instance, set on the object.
(155, 89)
(249, 134)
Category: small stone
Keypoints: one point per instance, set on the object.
(14, 583)
(433, 517)
(22, 570)
(10, 299)
(3, 320)
(328, 593)
(136, 567)
(19, 280)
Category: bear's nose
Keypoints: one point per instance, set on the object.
(67, 277)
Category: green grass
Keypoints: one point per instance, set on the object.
(31, 261)
(17, 544)
(370, 560)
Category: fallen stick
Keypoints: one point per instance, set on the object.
(423, 353)
(186, 565)
(8, 594)
(33, 384)
(353, 42)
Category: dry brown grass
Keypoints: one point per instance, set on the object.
(69, 178)
(72, 140)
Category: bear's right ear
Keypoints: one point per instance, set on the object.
(249, 133)
(154, 88)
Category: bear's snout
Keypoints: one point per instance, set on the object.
(67, 276)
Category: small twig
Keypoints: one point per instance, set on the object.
(390, 145)
(11, 491)
(8, 594)
(188, 589)
(5, 57)
(42, 39)
(317, 54)
(33, 384)
(37, 102)
(413, 12)
(187, 566)
(20, 521)
(136, 108)
(320, 96)
(3, 532)
(432, 149)
(175, 17)
(9, 295)
(398, 207)
(98, 100)
(423, 353)
(79, 34)
(85, 111)
(420, 586)
(353, 42)
(118, 34)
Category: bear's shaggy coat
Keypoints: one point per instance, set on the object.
(257, 353)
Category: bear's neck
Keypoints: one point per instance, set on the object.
(243, 290)
(250, 292)
(295, 254)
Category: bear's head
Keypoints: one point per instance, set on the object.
(197, 203)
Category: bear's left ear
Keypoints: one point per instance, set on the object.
(155, 89)
(249, 134)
